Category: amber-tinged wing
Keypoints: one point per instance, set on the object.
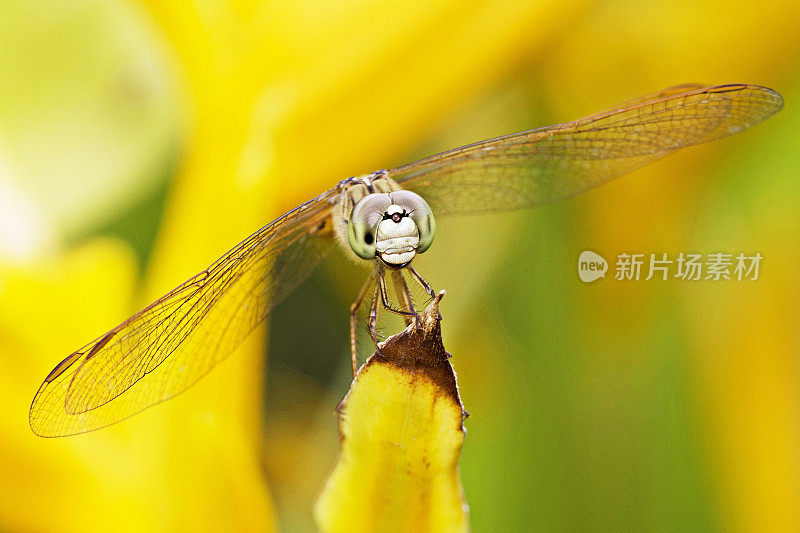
(164, 349)
(545, 165)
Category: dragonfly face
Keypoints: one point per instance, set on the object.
(390, 226)
(165, 348)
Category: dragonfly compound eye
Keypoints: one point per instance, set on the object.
(420, 212)
(363, 225)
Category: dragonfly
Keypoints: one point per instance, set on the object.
(386, 218)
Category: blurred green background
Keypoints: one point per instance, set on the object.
(140, 140)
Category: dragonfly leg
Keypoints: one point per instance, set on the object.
(385, 299)
(354, 320)
(404, 295)
(373, 316)
(421, 281)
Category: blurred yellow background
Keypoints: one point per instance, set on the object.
(139, 141)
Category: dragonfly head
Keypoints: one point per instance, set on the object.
(393, 227)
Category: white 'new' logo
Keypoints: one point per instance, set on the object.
(591, 266)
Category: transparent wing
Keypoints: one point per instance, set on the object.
(164, 349)
(543, 166)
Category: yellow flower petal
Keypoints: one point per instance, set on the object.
(401, 431)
